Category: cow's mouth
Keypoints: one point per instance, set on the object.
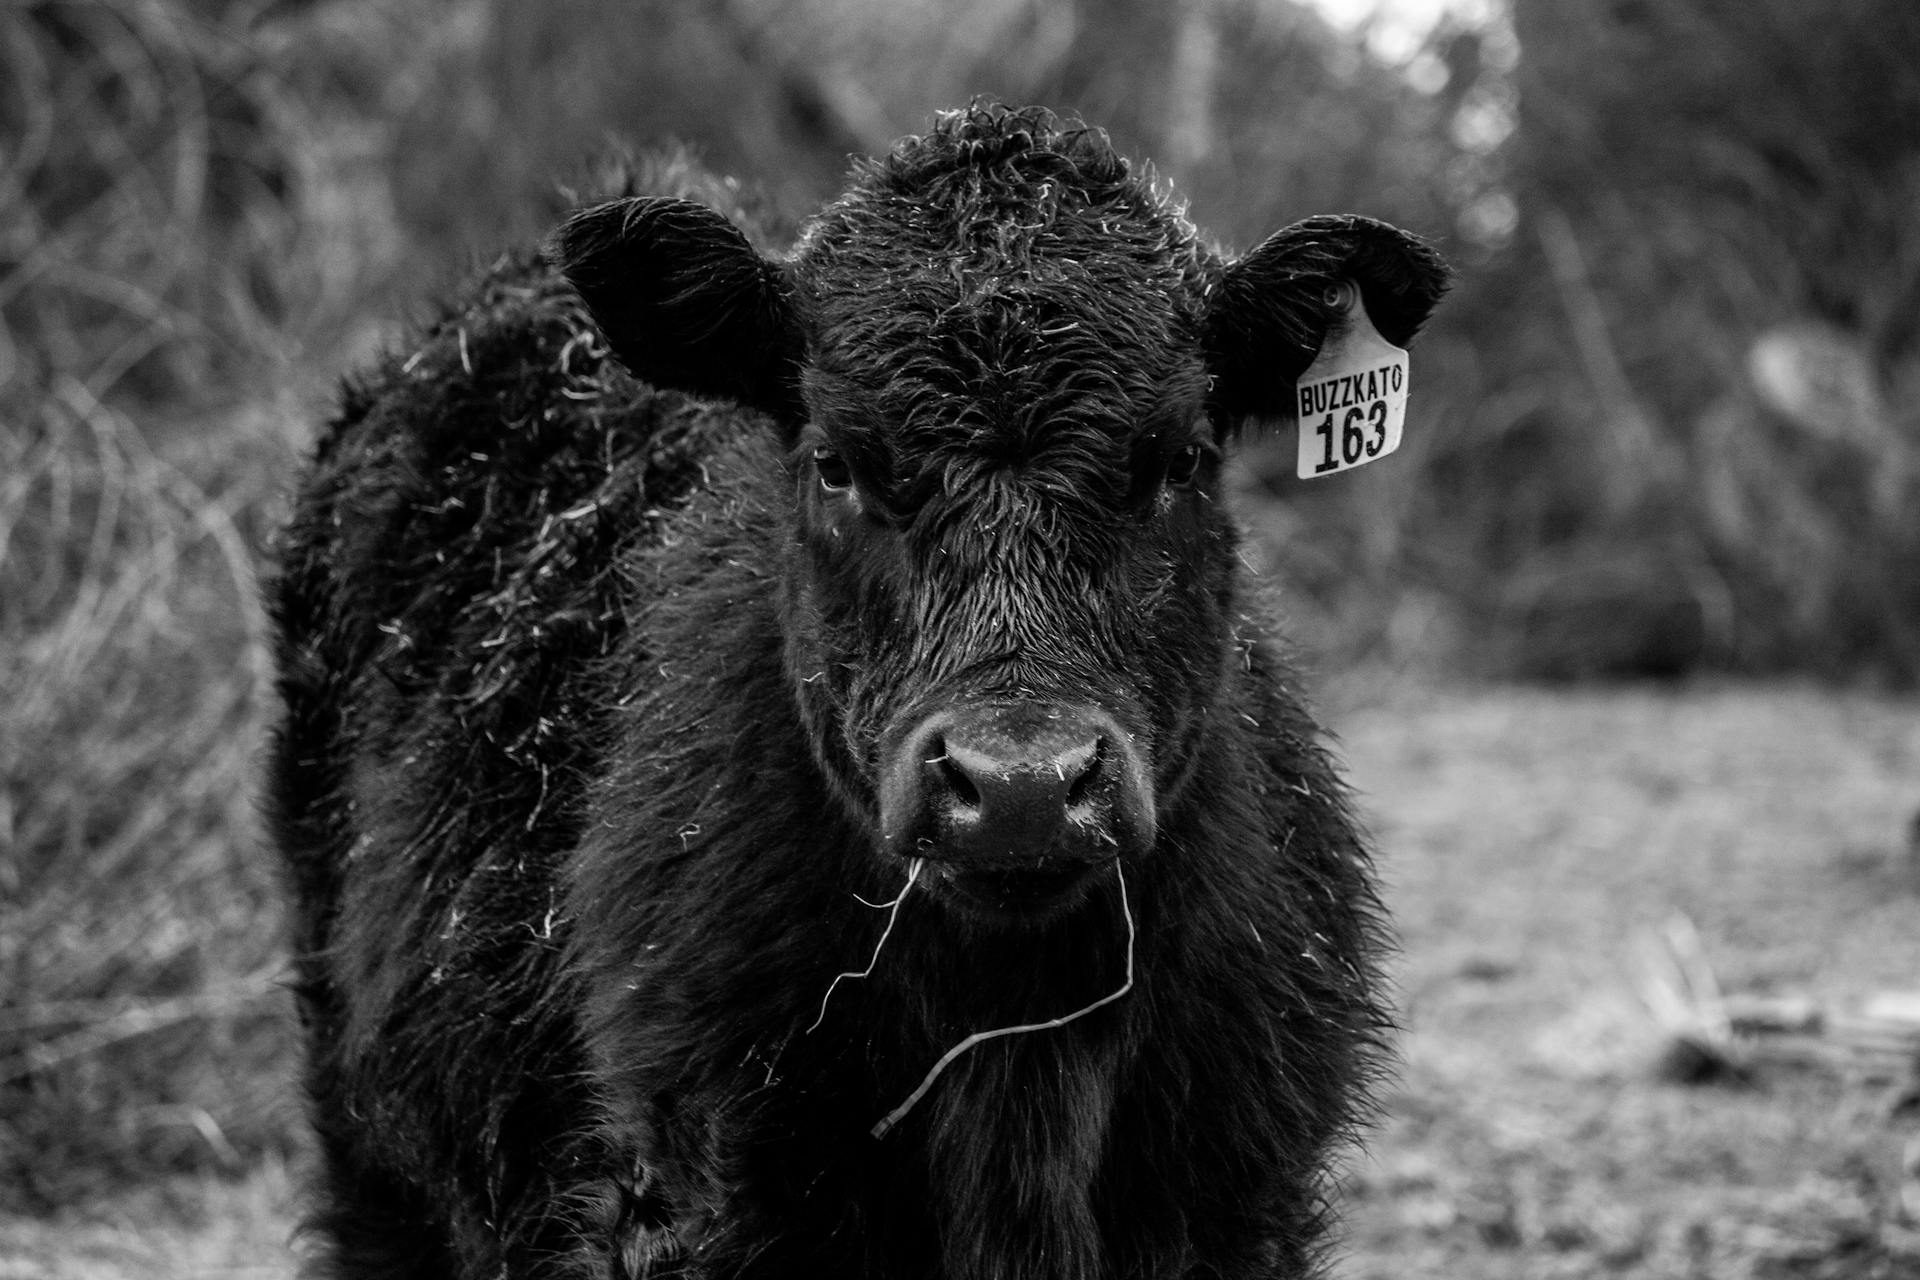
(1036, 888)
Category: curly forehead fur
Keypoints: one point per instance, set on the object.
(998, 282)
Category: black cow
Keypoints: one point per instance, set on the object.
(666, 606)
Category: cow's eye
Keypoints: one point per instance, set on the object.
(1183, 464)
(834, 473)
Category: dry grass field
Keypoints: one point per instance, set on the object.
(1540, 850)
(1538, 847)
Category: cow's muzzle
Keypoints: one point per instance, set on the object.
(1016, 804)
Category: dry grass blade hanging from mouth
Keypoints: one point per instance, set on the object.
(893, 913)
(894, 1116)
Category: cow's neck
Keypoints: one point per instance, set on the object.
(1014, 1147)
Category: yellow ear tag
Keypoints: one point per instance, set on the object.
(1353, 397)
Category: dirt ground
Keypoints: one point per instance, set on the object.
(1538, 847)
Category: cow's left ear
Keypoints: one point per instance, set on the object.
(1271, 311)
(685, 300)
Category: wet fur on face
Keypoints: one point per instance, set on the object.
(1005, 353)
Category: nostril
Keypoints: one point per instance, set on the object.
(1089, 764)
(957, 781)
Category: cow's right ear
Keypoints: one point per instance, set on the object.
(684, 300)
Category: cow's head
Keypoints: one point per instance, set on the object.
(1004, 369)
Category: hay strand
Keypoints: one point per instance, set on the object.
(894, 1116)
(893, 913)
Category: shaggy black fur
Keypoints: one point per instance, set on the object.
(589, 685)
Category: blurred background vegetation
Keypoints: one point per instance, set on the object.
(1665, 426)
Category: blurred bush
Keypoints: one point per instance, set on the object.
(1663, 425)
(1684, 437)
